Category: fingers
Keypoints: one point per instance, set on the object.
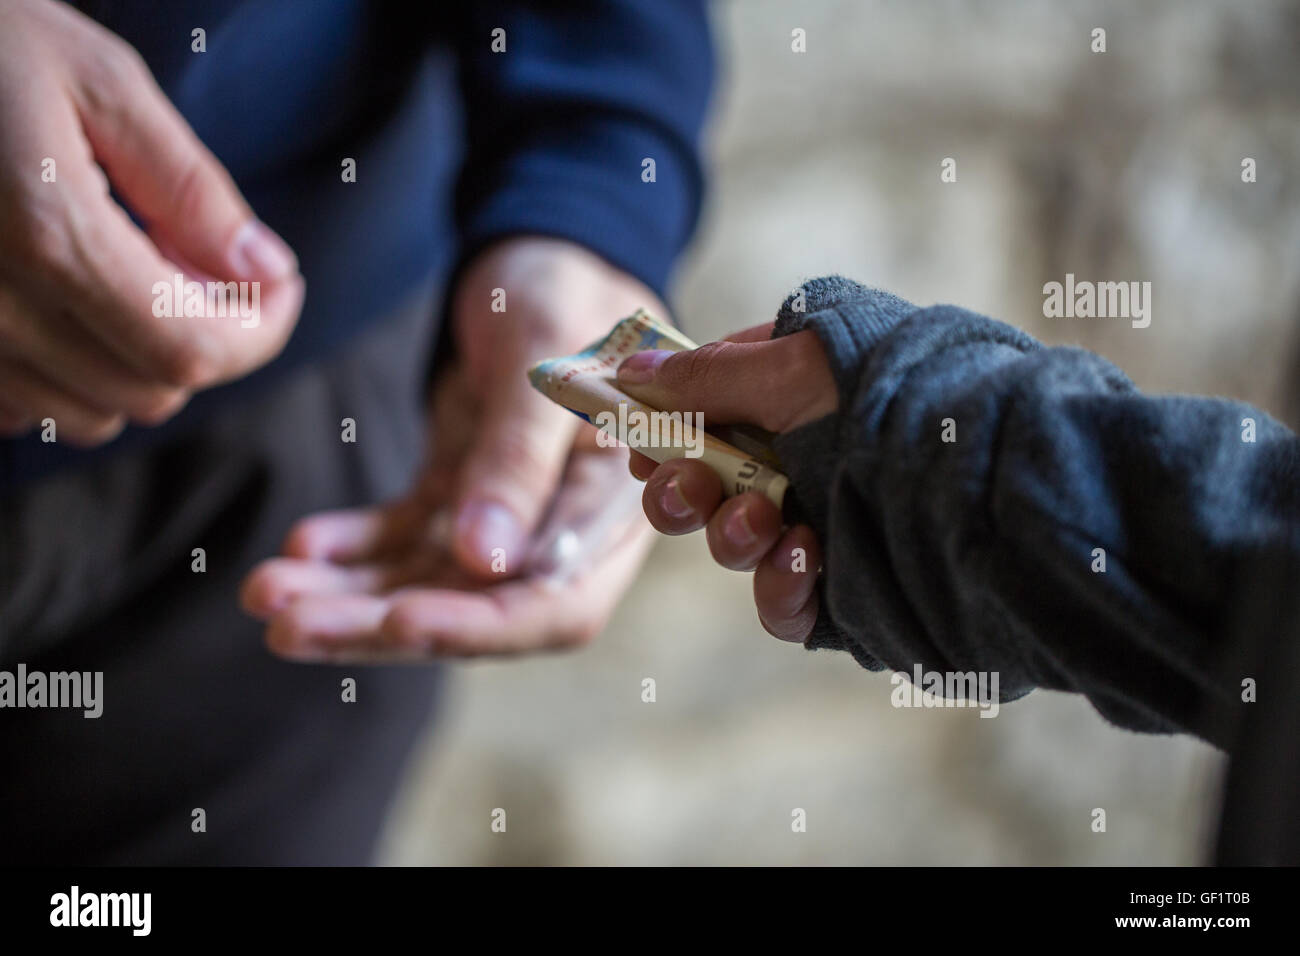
(744, 533)
(416, 603)
(680, 496)
(742, 530)
(275, 583)
(641, 466)
(63, 240)
(776, 384)
(168, 177)
(513, 617)
(588, 438)
(52, 346)
(81, 255)
(510, 618)
(748, 378)
(594, 506)
(355, 551)
(243, 326)
(337, 614)
(74, 259)
(125, 294)
(358, 534)
(331, 627)
(425, 624)
(519, 301)
(785, 585)
(35, 398)
(509, 476)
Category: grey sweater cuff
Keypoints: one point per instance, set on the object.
(849, 319)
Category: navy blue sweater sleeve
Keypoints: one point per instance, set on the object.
(988, 503)
(561, 122)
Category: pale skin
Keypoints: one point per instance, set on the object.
(377, 584)
(748, 378)
(79, 344)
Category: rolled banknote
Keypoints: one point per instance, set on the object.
(586, 384)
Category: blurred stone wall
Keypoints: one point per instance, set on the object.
(1124, 165)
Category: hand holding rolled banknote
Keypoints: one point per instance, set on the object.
(759, 387)
(587, 385)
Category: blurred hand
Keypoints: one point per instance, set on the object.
(748, 378)
(79, 342)
(448, 570)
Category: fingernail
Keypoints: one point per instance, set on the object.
(258, 253)
(641, 368)
(673, 502)
(488, 526)
(737, 529)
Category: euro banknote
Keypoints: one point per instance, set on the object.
(586, 384)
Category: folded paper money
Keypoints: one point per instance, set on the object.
(586, 384)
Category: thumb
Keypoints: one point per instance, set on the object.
(509, 476)
(777, 384)
(171, 180)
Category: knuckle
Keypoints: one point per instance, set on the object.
(110, 73)
(123, 57)
(699, 365)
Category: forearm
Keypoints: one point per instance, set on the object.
(586, 126)
(992, 504)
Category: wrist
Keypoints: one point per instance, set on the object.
(553, 293)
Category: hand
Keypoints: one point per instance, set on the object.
(423, 577)
(748, 378)
(79, 341)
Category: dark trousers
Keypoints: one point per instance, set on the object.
(97, 576)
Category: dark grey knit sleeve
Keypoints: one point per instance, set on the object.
(987, 503)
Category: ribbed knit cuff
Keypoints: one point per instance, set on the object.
(849, 319)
